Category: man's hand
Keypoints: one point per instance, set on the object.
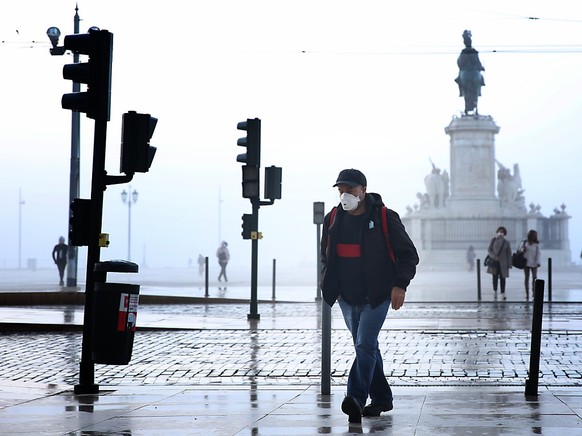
(398, 295)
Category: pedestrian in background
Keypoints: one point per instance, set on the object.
(60, 258)
(500, 251)
(223, 257)
(201, 262)
(531, 253)
(470, 256)
(359, 273)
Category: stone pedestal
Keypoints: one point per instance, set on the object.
(472, 189)
(473, 210)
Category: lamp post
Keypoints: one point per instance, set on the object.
(54, 33)
(20, 203)
(129, 198)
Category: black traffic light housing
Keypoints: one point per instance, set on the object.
(96, 74)
(252, 142)
(250, 181)
(136, 152)
(247, 226)
(80, 222)
(318, 212)
(273, 177)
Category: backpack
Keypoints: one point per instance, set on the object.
(384, 229)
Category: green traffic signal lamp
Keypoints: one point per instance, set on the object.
(252, 142)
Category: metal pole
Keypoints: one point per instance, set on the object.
(274, 277)
(531, 384)
(129, 224)
(325, 348)
(254, 314)
(318, 266)
(20, 203)
(87, 366)
(549, 279)
(219, 215)
(478, 279)
(206, 276)
(74, 183)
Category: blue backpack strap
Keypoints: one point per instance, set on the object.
(387, 234)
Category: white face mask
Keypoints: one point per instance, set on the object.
(349, 201)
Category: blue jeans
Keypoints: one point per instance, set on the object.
(367, 373)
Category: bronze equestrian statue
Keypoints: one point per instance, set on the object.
(470, 79)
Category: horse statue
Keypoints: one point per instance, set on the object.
(470, 79)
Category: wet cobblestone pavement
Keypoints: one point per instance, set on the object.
(204, 369)
(412, 356)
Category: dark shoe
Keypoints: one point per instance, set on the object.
(351, 408)
(375, 409)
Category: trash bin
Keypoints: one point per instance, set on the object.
(115, 314)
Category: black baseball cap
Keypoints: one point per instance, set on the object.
(351, 177)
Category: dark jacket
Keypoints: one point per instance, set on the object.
(380, 273)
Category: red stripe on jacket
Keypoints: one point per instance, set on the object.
(348, 250)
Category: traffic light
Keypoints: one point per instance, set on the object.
(136, 152)
(96, 74)
(273, 176)
(250, 181)
(318, 212)
(252, 142)
(80, 222)
(247, 226)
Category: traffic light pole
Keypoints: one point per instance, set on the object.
(254, 314)
(98, 183)
(74, 183)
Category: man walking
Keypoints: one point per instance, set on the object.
(368, 261)
(223, 257)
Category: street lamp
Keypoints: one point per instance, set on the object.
(20, 203)
(130, 199)
(54, 33)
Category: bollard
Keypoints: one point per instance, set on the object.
(549, 279)
(318, 265)
(318, 219)
(325, 348)
(531, 384)
(478, 279)
(206, 276)
(274, 276)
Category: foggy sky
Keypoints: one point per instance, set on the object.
(337, 84)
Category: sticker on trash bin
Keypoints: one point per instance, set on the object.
(127, 312)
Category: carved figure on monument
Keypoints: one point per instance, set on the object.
(436, 187)
(509, 188)
(424, 200)
(470, 79)
(447, 183)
